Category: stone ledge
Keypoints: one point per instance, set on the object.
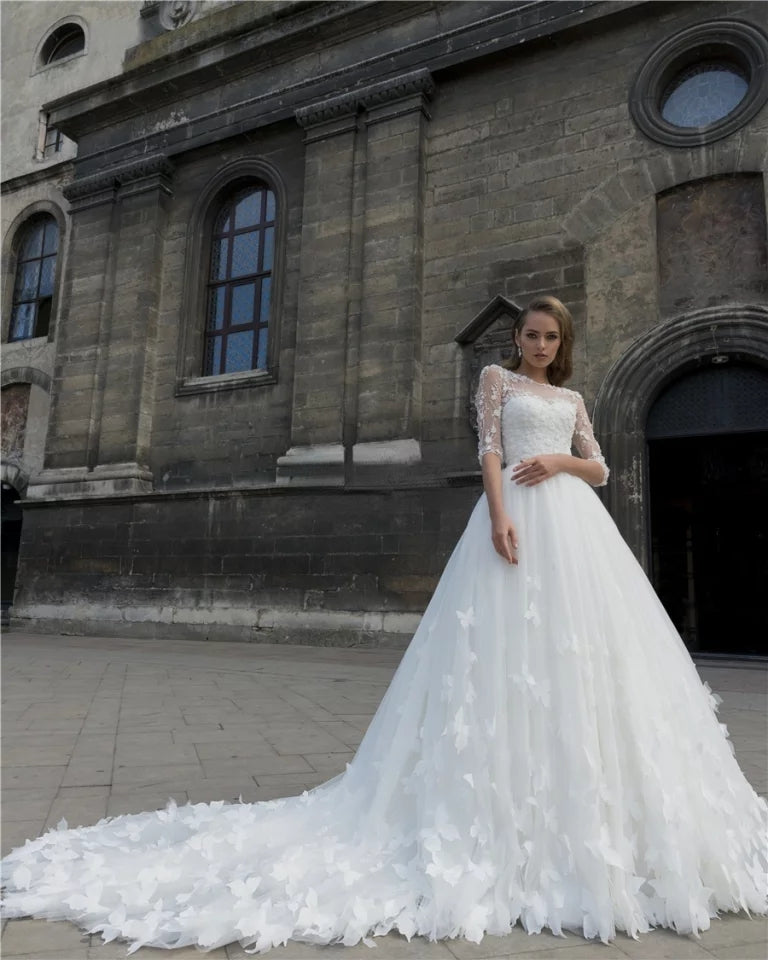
(276, 488)
(317, 463)
(348, 628)
(378, 452)
(77, 483)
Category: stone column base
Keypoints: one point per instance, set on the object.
(107, 480)
(313, 464)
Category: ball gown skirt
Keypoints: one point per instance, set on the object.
(545, 754)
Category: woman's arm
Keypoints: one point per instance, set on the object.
(503, 531)
(535, 469)
(490, 453)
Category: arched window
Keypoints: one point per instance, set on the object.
(239, 291)
(65, 41)
(35, 275)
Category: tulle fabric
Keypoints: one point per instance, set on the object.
(545, 753)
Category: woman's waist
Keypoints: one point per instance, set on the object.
(515, 454)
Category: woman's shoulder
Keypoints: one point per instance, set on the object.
(494, 375)
(573, 394)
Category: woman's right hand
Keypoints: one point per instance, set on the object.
(504, 538)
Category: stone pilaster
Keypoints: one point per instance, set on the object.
(390, 375)
(316, 453)
(98, 439)
(357, 393)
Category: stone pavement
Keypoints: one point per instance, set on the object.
(97, 727)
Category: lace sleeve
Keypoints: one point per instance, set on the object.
(488, 403)
(584, 440)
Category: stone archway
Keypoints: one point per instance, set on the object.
(642, 179)
(636, 379)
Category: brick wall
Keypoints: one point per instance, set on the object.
(353, 567)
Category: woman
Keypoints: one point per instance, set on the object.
(545, 752)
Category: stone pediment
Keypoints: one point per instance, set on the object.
(493, 315)
(487, 339)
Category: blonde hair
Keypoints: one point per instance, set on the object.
(561, 367)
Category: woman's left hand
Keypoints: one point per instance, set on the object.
(533, 470)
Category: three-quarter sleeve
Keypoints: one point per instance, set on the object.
(584, 440)
(488, 404)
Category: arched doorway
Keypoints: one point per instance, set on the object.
(645, 368)
(707, 442)
(10, 537)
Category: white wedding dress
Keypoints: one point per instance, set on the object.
(546, 753)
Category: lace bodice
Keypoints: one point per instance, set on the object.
(518, 417)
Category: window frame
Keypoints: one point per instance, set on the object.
(736, 41)
(194, 307)
(53, 142)
(229, 283)
(39, 64)
(10, 260)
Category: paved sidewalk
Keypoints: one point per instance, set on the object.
(97, 727)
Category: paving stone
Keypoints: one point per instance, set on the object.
(517, 940)
(33, 808)
(71, 953)
(582, 951)
(391, 946)
(91, 745)
(11, 794)
(255, 766)
(307, 740)
(77, 811)
(215, 790)
(663, 944)
(126, 804)
(101, 790)
(136, 755)
(291, 782)
(44, 725)
(328, 763)
(117, 950)
(35, 937)
(147, 774)
(16, 832)
(233, 750)
(734, 928)
(21, 738)
(88, 774)
(31, 778)
(25, 756)
(741, 951)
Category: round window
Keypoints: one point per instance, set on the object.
(704, 93)
(703, 84)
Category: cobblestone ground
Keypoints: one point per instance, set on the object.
(96, 727)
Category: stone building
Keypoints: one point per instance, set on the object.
(256, 254)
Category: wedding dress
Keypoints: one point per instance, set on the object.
(545, 753)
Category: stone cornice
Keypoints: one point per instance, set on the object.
(157, 168)
(283, 53)
(387, 91)
(53, 172)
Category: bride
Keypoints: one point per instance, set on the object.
(545, 753)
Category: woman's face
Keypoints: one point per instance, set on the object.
(539, 340)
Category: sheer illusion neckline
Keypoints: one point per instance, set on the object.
(539, 383)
